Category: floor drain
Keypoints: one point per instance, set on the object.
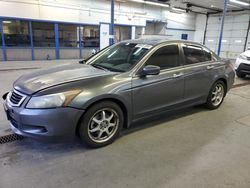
(10, 138)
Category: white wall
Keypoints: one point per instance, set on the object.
(175, 25)
(94, 12)
(200, 26)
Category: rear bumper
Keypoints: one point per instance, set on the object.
(43, 123)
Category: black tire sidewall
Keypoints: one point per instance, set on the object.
(209, 103)
(83, 130)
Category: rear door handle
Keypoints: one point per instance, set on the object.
(210, 67)
(178, 75)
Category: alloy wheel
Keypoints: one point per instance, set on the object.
(217, 94)
(103, 125)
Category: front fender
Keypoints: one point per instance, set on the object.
(84, 100)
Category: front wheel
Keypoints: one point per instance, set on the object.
(216, 95)
(101, 124)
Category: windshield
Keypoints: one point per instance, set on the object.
(121, 57)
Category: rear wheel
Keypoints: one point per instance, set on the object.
(101, 124)
(216, 95)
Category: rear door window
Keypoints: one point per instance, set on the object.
(196, 54)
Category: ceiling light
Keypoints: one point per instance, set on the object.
(151, 3)
(6, 22)
(156, 4)
(240, 2)
(178, 9)
(238, 41)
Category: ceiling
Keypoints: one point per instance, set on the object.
(205, 6)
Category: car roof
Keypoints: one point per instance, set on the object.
(155, 41)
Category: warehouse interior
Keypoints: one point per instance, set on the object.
(190, 147)
(44, 30)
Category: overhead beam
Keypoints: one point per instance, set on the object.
(203, 7)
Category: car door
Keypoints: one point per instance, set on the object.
(156, 92)
(197, 70)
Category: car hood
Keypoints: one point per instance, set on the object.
(246, 53)
(39, 80)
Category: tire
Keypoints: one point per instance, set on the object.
(240, 75)
(101, 124)
(215, 97)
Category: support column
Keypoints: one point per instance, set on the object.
(222, 26)
(57, 41)
(205, 32)
(31, 41)
(111, 30)
(133, 32)
(3, 42)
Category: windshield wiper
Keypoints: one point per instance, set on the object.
(99, 67)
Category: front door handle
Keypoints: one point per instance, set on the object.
(210, 67)
(178, 75)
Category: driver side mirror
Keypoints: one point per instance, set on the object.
(150, 70)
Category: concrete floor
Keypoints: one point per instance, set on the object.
(193, 147)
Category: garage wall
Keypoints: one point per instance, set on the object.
(96, 12)
(174, 27)
(234, 35)
(200, 27)
(92, 12)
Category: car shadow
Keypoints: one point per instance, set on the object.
(75, 145)
(163, 117)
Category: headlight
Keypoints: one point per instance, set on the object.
(243, 57)
(53, 100)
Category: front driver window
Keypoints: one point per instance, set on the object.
(165, 57)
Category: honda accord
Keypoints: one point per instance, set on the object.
(123, 83)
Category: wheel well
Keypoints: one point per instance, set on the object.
(224, 81)
(118, 102)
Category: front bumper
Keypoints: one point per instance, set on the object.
(43, 123)
(243, 68)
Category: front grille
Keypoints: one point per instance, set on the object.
(248, 65)
(16, 98)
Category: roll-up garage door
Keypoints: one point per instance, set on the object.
(234, 35)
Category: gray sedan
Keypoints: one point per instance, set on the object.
(117, 86)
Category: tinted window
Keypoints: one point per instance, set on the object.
(68, 35)
(16, 33)
(165, 57)
(208, 55)
(43, 34)
(90, 36)
(195, 54)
